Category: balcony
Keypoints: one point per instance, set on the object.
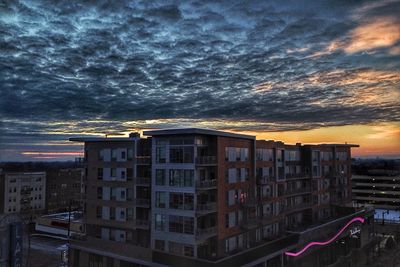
(297, 176)
(204, 233)
(266, 179)
(203, 209)
(300, 206)
(206, 160)
(206, 184)
(143, 160)
(26, 190)
(144, 202)
(142, 224)
(249, 223)
(142, 181)
(298, 191)
(265, 198)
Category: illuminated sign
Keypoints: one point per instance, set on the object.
(354, 232)
(295, 254)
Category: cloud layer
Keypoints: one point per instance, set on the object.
(69, 68)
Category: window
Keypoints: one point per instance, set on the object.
(159, 244)
(231, 219)
(122, 174)
(176, 224)
(123, 154)
(99, 192)
(161, 151)
(100, 174)
(160, 222)
(99, 212)
(181, 201)
(130, 153)
(113, 172)
(129, 194)
(259, 154)
(129, 214)
(160, 199)
(244, 154)
(113, 193)
(230, 244)
(129, 174)
(176, 200)
(100, 155)
(181, 178)
(122, 214)
(181, 224)
(189, 201)
(113, 154)
(112, 213)
(238, 155)
(181, 154)
(188, 250)
(160, 177)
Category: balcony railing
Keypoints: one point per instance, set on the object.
(142, 202)
(144, 224)
(206, 184)
(143, 160)
(248, 202)
(209, 207)
(206, 232)
(302, 190)
(249, 223)
(142, 181)
(296, 207)
(297, 175)
(206, 160)
(266, 179)
(26, 191)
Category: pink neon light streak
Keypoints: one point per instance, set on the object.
(292, 254)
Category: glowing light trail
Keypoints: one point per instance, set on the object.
(293, 254)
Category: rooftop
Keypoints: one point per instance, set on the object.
(182, 131)
(102, 139)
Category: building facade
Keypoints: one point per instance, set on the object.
(224, 199)
(380, 191)
(23, 193)
(64, 189)
(117, 203)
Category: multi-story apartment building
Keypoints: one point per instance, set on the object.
(380, 191)
(200, 178)
(23, 193)
(64, 189)
(117, 203)
(225, 199)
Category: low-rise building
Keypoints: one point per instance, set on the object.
(23, 193)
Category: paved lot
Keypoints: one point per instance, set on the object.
(46, 252)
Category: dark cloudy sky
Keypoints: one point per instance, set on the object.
(277, 67)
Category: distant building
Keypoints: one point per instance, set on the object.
(380, 191)
(65, 188)
(23, 193)
(217, 199)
